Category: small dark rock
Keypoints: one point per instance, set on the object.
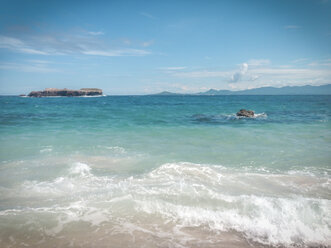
(245, 113)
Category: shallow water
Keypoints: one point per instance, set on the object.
(159, 171)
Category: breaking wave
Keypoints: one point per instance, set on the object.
(219, 119)
(289, 209)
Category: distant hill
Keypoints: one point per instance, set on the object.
(287, 90)
(167, 93)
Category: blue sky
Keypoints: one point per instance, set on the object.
(141, 47)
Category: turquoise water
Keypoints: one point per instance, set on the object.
(165, 171)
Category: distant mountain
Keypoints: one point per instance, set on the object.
(287, 90)
(167, 93)
(213, 92)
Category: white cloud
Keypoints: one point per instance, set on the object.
(249, 77)
(147, 43)
(291, 72)
(203, 74)
(18, 45)
(157, 87)
(279, 77)
(37, 61)
(184, 88)
(324, 62)
(66, 45)
(232, 75)
(175, 68)
(258, 62)
(113, 53)
(238, 75)
(127, 41)
(301, 60)
(254, 77)
(260, 73)
(147, 15)
(31, 67)
(96, 33)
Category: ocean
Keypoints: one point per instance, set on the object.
(165, 171)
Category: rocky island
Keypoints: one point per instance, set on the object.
(66, 92)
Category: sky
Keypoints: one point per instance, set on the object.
(143, 47)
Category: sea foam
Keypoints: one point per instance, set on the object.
(273, 209)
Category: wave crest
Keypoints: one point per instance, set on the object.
(269, 208)
(219, 119)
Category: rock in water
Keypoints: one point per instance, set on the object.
(245, 113)
(66, 92)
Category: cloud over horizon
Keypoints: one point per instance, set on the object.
(258, 73)
(238, 75)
